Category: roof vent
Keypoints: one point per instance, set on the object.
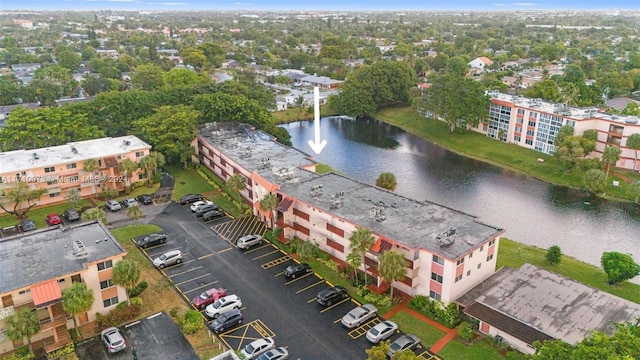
(78, 248)
(74, 150)
(35, 156)
(126, 143)
(446, 238)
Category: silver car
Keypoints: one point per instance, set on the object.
(167, 259)
(257, 347)
(359, 315)
(405, 342)
(248, 241)
(113, 340)
(381, 331)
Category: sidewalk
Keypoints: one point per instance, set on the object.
(450, 334)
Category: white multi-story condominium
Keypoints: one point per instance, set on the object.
(59, 169)
(534, 124)
(447, 252)
(39, 266)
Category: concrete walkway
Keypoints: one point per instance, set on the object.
(450, 334)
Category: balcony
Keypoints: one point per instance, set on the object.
(54, 322)
(64, 339)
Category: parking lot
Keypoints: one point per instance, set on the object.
(272, 305)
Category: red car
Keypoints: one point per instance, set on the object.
(53, 219)
(208, 297)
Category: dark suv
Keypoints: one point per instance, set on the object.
(152, 240)
(330, 295)
(191, 198)
(205, 209)
(227, 320)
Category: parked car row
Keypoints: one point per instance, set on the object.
(114, 205)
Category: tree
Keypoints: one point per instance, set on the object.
(147, 77)
(237, 183)
(126, 273)
(76, 300)
(355, 260)
(360, 242)
(457, 100)
(554, 255)
(69, 59)
(74, 197)
(545, 89)
(150, 163)
(633, 142)
(392, 267)
(19, 199)
(594, 180)
(269, 203)
(619, 267)
(610, 155)
(135, 213)
(22, 324)
(387, 180)
(127, 166)
(378, 352)
(94, 214)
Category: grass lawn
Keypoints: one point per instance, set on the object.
(296, 114)
(510, 156)
(514, 254)
(410, 325)
(480, 350)
(160, 295)
(38, 214)
(187, 181)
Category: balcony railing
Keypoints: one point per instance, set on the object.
(47, 324)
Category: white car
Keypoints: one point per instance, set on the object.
(359, 315)
(248, 241)
(112, 205)
(257, 347)
(223, 305)
(197, 204)
(381, 331)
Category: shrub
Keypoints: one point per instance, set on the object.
(136, 301)
(174, 312)
(465, 331)
(554, 255)
(138, 289)
(192, 322)
(118, 316)
(448, 316)
(22, 353)
(69, 349)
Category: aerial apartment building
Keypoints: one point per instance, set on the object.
(59, 169)
(447, 252)
(534, 124)
(38, 266)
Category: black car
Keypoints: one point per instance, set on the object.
(145, 199)
(205, 209)
(191, 198)
(213, 214)
(152, 240)
(27, 225)
(294, 271)
(227, 320)
(71, 215)
(330, 295)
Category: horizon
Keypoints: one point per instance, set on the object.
(326, 6)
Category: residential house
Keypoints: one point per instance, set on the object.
(323, 82)
(481, 63)
(40, 265)
(6, 109)
(531, 304)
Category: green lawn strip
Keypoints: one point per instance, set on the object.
(187, 181)
(514, 254)
(294, 114)
(324, 168)
(480, 350)
(39, 214)
(510, 156)
(428, 334)
(126, 233)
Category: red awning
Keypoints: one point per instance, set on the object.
(45, 293)
(285, 204)
(381, 246)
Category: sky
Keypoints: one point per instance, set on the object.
(326, 5)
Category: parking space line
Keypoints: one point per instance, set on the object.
(296, 279)
(186, 281)
(278, 274)
(364, 328)
(204, 256)
(224, 250)
(276, 262)
(258, 248)
(334, 305)
(311, 300)
(184, 272)
(200, 287)
(267, 254)
(309, 287)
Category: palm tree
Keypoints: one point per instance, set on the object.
(633, 142)
(94, 214)
(354, 260)
(91, 166)
(150, 163)
(127, 166)
(387, 180)
(269, 203)
(22, 324)
(76, 300)
(237, 183)
(610, 155)
(126, 273)
(135, 213)
(392, 267)
(360, 242)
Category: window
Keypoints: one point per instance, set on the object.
(434, 295)
(436, 277)
(520, 111)
(459, 277)
(110, 302)
(139, 154)
(25, 291)
(492, 242)
(489, 257)
(49, 169)
(481, 248)
(528, 142)
(468, 272)
(60, 280)
(470, 255)
(71, 166)
(105, 265)
(517, 138)
(460, 261)
(54, 194)
(105, 284)
(142, 176)
(530, 132)
(438, 259)
(520, 121)
(479, 265)
(52, 181)
(533, 114)
(73, 179)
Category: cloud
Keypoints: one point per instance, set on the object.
(168, 3)
(525, 4)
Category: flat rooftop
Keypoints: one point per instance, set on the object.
(256, 150)
(12, 162)
(550, 303)
(416, 224)
(49, 254)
